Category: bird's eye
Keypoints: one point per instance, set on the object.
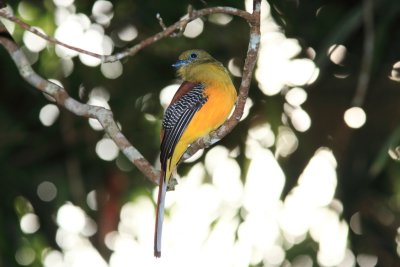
(193, 55)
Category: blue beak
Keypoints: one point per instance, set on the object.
(179, 63)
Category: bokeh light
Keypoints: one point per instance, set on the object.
(247, 107)
(79, 31)
(71, 218)
(395, 73)
(34, 42)
(10, 26)
(67, 66)
(337, 54)
(112, 70)
(286, 142)
(278, 65)
(355, 117)
(52, 258)
(102, 11)
(167, 93)
(195, 156)
(46, 191)
(262, 134)
(296, 96)
(98, 96)
(194, 28)
(301, 72)
(127, 33)
(49, 114)
(91, 200)
(63, 3)
(234, 69)
(69, 31)
(94, 40)
(220, 19)
(106, 149)
(24, 10)
(300, 119)
(367, 260)
(25, 256)
(29, 223)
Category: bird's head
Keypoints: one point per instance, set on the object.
(192, 57)
(197, 65)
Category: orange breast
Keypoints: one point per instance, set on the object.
(221, 99)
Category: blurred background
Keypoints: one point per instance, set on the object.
(310, 176)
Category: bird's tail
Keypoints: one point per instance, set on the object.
(160, 215)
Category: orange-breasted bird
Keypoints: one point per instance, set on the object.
(202, 104)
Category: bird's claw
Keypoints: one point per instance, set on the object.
(171, 184)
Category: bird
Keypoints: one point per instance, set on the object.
(201, 104)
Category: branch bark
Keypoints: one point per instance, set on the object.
(105, 116)
(168, 31)
(249, 64)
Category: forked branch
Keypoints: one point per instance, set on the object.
(105, 116)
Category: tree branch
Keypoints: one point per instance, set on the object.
(167, 31)
(105, 116)
(249, 64)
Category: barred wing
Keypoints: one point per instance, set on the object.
(186, 102)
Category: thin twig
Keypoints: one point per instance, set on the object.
(168, 31)
(7, 15)
(177, 26)
(164, 27)
(161, 21)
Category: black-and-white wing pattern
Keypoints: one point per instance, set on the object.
(177, 117)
